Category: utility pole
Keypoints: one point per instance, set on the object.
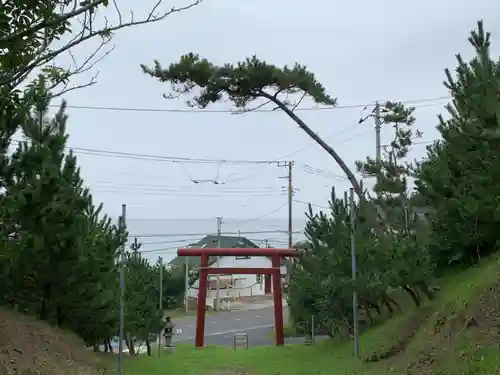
(123, 228)
(186, 284)
(160, 302)
(290, 201)
(378, 126)
(266, 244)
(354, 270)
(288, 165)
(217, 292)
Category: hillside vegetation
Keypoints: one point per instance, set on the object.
(30, 346)
(457, 334)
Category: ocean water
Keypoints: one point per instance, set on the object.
(162, 237)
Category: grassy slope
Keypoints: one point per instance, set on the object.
(457, 334)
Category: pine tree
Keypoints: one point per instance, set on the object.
(250, 84)
(142, 314)
(406, 236)
(62, 251)
(321, 283)
(459, 179)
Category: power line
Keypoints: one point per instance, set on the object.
(327, 138)
(171, 241)
(166, 235)
(185, 242)
(312, 204)
(314, 144)
(263, 215)
(181, 194)
(186, 160)
(165, 190)
(183, 188)
(161, 158)
(320, 172)
(416, 143)
(211, 110)
(168, 249)
(357, 123)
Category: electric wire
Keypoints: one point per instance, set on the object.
(263, 215)
(165, 250)
(181, 160)
(181, 194)
(166, 235)
(187, 243)
(327, 138)
(222, 110)
(312, 204)
(319, 172)
(175, 188)
(160, 158)
(166, 191)
(170, 241)
(362, 120)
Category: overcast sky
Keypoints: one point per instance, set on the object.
(362, 51)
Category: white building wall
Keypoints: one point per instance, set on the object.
(244, 285)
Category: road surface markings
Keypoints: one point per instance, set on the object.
(240, 330)
(231, 331)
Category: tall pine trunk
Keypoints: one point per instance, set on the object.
(413, 295)
(107, 345)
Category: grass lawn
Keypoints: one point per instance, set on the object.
(458, 334)
(291, 360)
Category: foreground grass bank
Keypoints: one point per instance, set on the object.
(457, 334)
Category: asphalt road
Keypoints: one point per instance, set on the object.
(220, 327)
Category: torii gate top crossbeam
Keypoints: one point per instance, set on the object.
(267, 252)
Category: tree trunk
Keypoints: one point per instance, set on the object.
(389, 307)
(351, 177)
(129, 341)
(108, 345)
(412, 294)
(390, 304)
(148, 347)
(44, 308)
(95, 347)
(59, 316)
(429, 293)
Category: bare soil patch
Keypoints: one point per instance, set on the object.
(28, 346)
(397, 345)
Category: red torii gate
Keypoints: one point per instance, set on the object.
(205, 270)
